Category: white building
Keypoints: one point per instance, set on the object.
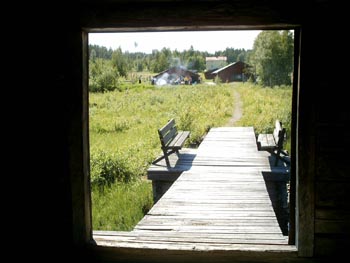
(215, 62)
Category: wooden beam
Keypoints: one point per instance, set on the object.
(185, 15)
(305, 159)
(79, 147)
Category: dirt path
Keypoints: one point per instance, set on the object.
(237, 112)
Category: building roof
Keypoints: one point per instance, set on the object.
(220, 69)
(223, 68)
(178, 70)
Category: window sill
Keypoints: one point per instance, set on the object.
(113, 245)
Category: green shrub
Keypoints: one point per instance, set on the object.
(123, 125)
(121, 206)
(107, 168)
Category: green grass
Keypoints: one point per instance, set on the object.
(124, 139)
(121, 206)
(262, 106)
(123, 125)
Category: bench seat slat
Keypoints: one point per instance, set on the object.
(266, 141)
(179, 140)
(273, 142)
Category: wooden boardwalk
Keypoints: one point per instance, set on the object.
(221, 202)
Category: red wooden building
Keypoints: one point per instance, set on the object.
(236, 71)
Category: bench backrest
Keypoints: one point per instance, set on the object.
(279, 134)
(167, 133)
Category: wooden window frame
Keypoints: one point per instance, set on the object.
(302, 235)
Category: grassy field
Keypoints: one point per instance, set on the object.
(262, 106)
(124, 139)
(121, 206)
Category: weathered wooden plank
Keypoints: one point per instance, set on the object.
(220, 196)
(218, 200)
(211, 217)
(209, 225)
(249, 194)
(181, 230)
(180, 139)
(203, 210)
(195, 246)
(194, 235)
(206, 186)
(203, 240)
(190, 234)
(185, 246)
(204, 194)
(244, 130)
(188, 239)
(267, 141)
(203, 221)
(223, 207)
(164, 220)
(250, 191)
(246, 214)
(169, 173)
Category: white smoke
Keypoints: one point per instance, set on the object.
(162, 80)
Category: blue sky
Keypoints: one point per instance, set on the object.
(209, 41)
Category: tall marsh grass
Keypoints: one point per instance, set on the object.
(124, 141)
(123, 125)
(121, 206)
(262, 106)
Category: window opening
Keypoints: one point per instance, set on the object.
(127, 89)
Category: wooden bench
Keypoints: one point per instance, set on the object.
(273, 143)
(171, 140)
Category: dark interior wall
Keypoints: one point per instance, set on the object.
(61, 117)
(324, 114)
(326, 125)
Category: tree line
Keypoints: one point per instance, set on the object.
(160, 60)
(270, 60)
